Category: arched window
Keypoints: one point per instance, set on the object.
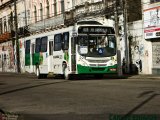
(62, 6)
(55, 7)
(35, 13)
(41, 11)
(47, 9)
(1, 28)
(5, 25)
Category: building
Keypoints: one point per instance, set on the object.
(6, 30)
(151, 23)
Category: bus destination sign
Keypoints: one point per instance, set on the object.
(95, 30)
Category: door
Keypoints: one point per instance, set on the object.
(50, 57)
(33, 68)
(73, 54)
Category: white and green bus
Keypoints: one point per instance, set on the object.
(88, 47)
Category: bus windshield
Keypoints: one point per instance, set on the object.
(97, 46)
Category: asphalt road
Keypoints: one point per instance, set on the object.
(25, 97)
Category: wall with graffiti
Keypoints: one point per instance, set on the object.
(140, 49)
(7, 63)
(156, 54)
(22, 55)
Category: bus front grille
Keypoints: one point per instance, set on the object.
(98, 69)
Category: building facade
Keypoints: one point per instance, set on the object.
(151, 25)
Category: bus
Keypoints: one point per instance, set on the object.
(88, 47)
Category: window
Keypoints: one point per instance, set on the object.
(57, 42)
(5, 24)
(38, 45)
(41, 11)
(27, 48)
(5, 56)
(154, 1)
(41, 44)
(9, 23)
(35, 13)
(73, 2)
(47, 9)
(28, 16)
(62, 6)
(65, 41)
(44, 41)
(55, 8)
(1, 29)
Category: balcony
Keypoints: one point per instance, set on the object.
(83, 11)
(47, 23)
(5, 37)
(5, 3)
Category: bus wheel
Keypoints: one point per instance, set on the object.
(39, 76)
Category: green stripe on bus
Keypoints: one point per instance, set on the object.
(101, 70)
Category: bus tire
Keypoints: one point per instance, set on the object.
(39, 75)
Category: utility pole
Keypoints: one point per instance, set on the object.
(119, 64)
(16, 38)
(127, 59)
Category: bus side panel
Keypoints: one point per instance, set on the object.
(58, 57)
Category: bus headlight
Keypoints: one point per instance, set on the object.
(113, 69)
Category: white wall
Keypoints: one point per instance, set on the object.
(141, 49)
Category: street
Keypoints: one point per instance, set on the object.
(29, 98)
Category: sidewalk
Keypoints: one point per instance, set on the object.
(142, 76)
(129, 76)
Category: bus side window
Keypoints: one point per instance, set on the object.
(57, 42)
(50, 47)
(38, 45)
(65, 43)
(44, 41)
(27, 47)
